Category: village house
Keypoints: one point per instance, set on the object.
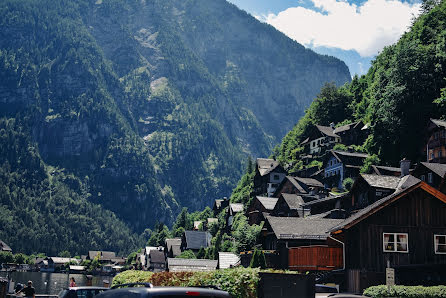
(219, 205)
(434, 149)
(320, 139)
(233, 209)
(353, 133)
(172, 247)
(405, 230)
(290, 205)
(283, 233)
(5, 247)
(259, 207)
(269, 174)
(56, 264)
(432, 173)
(339, 165)
(156, 260)
(301, 186)
(328, 207)
(194, 240)
(184, 265)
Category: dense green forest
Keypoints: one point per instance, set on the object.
(115, 114)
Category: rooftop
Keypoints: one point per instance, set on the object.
(267, 202)
(437, 168)
(380, 181)
(293, 201)
(266, 165)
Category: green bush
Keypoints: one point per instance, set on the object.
(239, 282)
(406, 291)
(348, 183)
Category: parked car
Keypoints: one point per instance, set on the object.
(132, 290)
(81, 292)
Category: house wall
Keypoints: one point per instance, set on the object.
(436, 146)
(334, 168)
(418, 214)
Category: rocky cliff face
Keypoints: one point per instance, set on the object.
(154, 104)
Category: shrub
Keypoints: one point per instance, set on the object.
(348, 183)
(406, 291)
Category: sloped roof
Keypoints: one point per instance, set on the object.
(4, 246)
(326, 130)
(437, 168)
(266, 165)
(197, 239)
(227, 259)
(389, 182)
(347, 127)
(309, 181)
(59, 260)
(296, 184)
(268, 202)
(384, 168)
(350, 154)
(323, 200)
(293, 201)
(301, 228)
(209, 264)
(236, 207)
(406, 184)
(157, 256)
(172, 241)
(439, 123)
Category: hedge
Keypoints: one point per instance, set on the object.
(239, 282)
(406, 291)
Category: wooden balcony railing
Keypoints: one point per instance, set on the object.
(315, 258)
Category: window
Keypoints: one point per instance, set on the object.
(423, 178)
(395, 242)
(276, 177)
(429, 178)
(440, 244)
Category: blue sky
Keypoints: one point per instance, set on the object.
(354, 31)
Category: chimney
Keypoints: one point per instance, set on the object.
(405, 167)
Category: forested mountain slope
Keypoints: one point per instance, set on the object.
(138, 108)
(405, 87)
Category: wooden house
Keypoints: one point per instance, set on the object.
(194, 240)
(405, 230)
(233, 209)
(432, 173)
(339, 165)
(172, 247)
(434, 149)
(269, 174)
(290, 205)
(219, 205)
(283, 233)
(320, 139)
(301, 186)
(329, 207)
(353, 133)
(156, 260)
(259, 207)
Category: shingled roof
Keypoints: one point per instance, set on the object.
(266, 165)
(326, 130)
(309, 181)
(380, 181)
(301, 228)
(191, 264)
(4, 246)
(347, 127)
(197, 239)
(268, 202)
(157, 256)
(406, 184)
(293, 201)
(236, 207)
(437, 168)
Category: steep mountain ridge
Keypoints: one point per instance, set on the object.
(151, 105)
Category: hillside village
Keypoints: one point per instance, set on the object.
(312, 221)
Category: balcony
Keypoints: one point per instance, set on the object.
(315, 258)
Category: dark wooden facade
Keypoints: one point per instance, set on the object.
(431, 177)
(435, 148)
(315, 258)
(420, 214)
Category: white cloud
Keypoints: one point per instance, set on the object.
(366, 28)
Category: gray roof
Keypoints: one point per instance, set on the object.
(380, 181)
(296, 184)
(236, 207)
(172, 241)
(326, 130)
(309, 181)
(384, 168)
(293, 201)
(211, 264)
(404, 183)
(350, 154)
(59, 260)
(197, 239)
(157, 256)
(227, 259)
(104, 255)
(437, 168)
(212, 220)
(323, 200)
(301, 228)
(266, 165)
(4, 246)
(347, 127)
(439, 123)
(267, 202)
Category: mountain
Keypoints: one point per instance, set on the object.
(135, 109)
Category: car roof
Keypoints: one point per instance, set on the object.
(161, 291)
(87, 288)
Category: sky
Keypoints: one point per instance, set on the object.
(354, 31)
